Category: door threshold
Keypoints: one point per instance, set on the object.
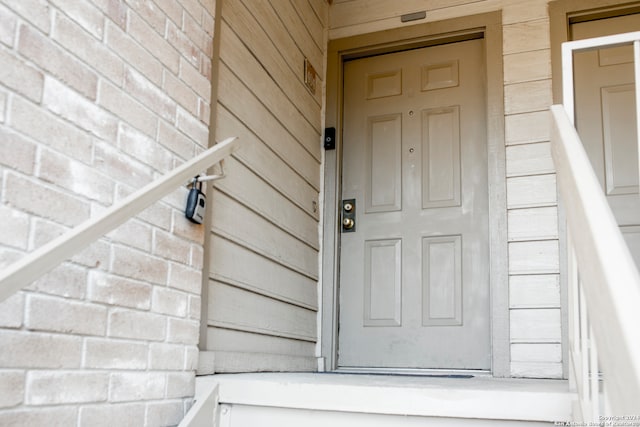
(414, 372)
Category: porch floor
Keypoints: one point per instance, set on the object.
(479, 397)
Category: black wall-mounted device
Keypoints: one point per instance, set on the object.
(329, 138)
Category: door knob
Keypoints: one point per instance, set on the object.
(348, 215)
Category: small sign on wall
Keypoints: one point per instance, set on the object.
(310, 76)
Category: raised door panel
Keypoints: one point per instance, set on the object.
(439, 76)
(619, 139)
(384, 163)
(615, 56)
(381, 85)
(441, 157)
(383, 283)
(442, 281)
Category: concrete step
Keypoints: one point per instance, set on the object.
(328, 399)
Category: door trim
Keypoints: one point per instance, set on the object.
(563, 13)
(489, 26)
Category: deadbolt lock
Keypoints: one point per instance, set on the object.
(349, 215)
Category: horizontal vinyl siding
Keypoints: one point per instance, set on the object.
(262, 305)
(534, 267)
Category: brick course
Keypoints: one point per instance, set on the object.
(137, 325)
(135, 386)
(97, 98)
(119, 291)
(110, 415)
(46, 313)
(166, 356)
(111, 354)
(49, 388)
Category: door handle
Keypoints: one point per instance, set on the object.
(348, 224)
(349, 215)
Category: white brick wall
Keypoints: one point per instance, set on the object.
(97, 98)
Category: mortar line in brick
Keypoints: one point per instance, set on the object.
(37, 166)
(31, 244)
(111, 261)
(83, 357)
(3, 185)
(8, 106)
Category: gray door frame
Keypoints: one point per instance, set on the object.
(489, 26)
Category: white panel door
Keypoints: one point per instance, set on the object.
(414, 275)
(606, 120)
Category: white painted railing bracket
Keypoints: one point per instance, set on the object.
(207, 178)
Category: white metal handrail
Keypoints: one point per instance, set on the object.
(602, 317)
(604, 288)
(40, 261)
